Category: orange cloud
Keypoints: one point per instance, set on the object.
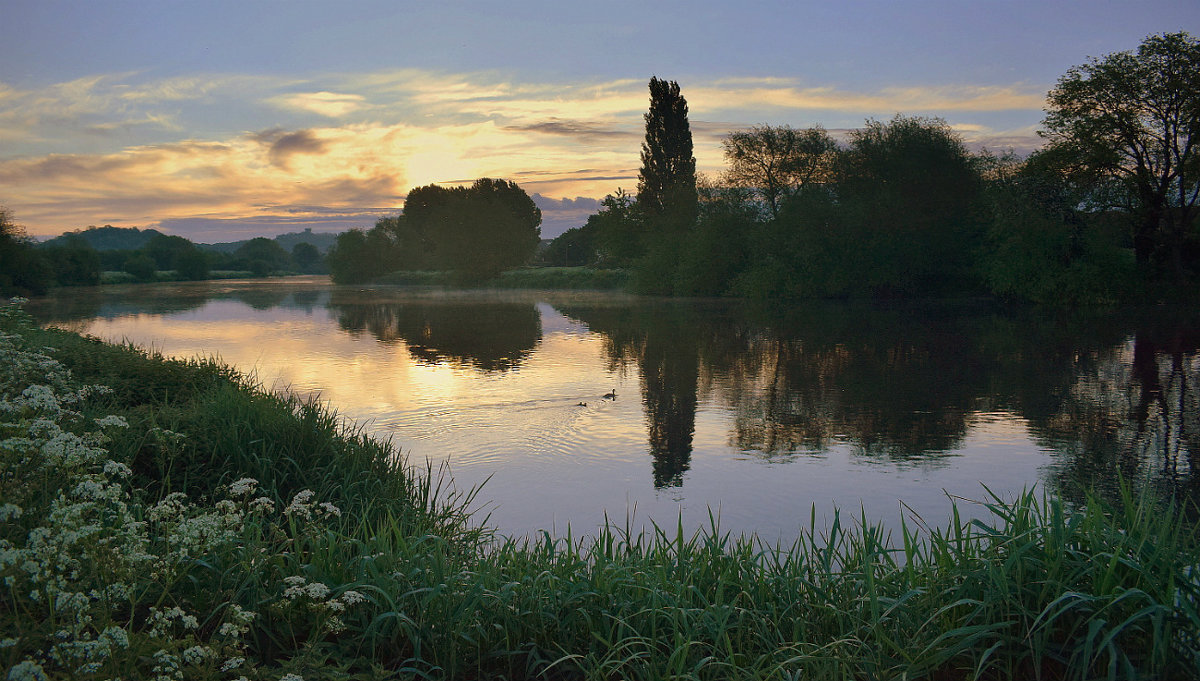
(101, 149)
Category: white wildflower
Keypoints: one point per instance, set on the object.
(232, 663)
(243, 487)
(29, 671)
(301, 504)
(171, 506)
(197, 655)
(40, 397)
(115, 637)
(112, 421)
(9, 512)
(262, 505)
(352, 597)
(117, 469)
(329, 509)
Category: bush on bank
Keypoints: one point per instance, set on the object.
(182, 523)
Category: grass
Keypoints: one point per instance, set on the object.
(401, 582)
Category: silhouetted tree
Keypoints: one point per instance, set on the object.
(667, 180)
(1040, 246)
(165, 248)
(22, 268)
(141, 266)
(1133, 118)
(572, 248)
(74, 262)
(358, 256)
(616, 230)
(192, 264)
(909, 197)
(306, 257)
(777, 162)
(262, 255)
(477, 231)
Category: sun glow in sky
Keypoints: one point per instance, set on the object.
(224, 120)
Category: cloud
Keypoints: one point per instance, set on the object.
(559, 215)
(328, 104)
(917, 100)
(588, 131)
(578, 203)
(125, 149)
(299, 142)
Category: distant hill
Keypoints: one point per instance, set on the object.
(107, 238)
(322, 240)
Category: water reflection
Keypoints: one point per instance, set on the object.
(1132, 413)
(899, 392)
(663, 340)
(492, 335)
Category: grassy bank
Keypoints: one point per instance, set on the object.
(182, 523)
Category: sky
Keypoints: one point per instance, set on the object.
(221, 121)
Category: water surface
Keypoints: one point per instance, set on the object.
(715, 409)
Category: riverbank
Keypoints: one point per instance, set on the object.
(341, 562)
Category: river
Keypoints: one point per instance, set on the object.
(574, 408)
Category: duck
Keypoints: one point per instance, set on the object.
(612, 395)
(581, 404)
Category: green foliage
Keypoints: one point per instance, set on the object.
(22, 268)
(914, 198)
(359, 256)
(262, 256)
(107, 238)
(616, 230)
(306, 257)
(475, 232)
(165, 248)
(482, 230)
(141, 266)
(1040, 247)
(573, 248)
(73, 262)
(192, 264)
(1130, 121)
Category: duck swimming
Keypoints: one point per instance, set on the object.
(612, 395)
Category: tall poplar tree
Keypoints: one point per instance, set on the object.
(667, 181)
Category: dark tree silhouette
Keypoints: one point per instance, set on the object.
(777, 162)
(1133, 119)
(667, 181)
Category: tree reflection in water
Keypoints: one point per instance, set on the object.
(1133, 415)
(491, 335)
(1114, 396)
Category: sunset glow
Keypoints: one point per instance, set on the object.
(162, 133)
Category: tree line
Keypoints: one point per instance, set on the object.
(1106, 210)
(71, 260)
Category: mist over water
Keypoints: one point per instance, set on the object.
(570, 408)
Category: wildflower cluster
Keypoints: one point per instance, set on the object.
(97, 582)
